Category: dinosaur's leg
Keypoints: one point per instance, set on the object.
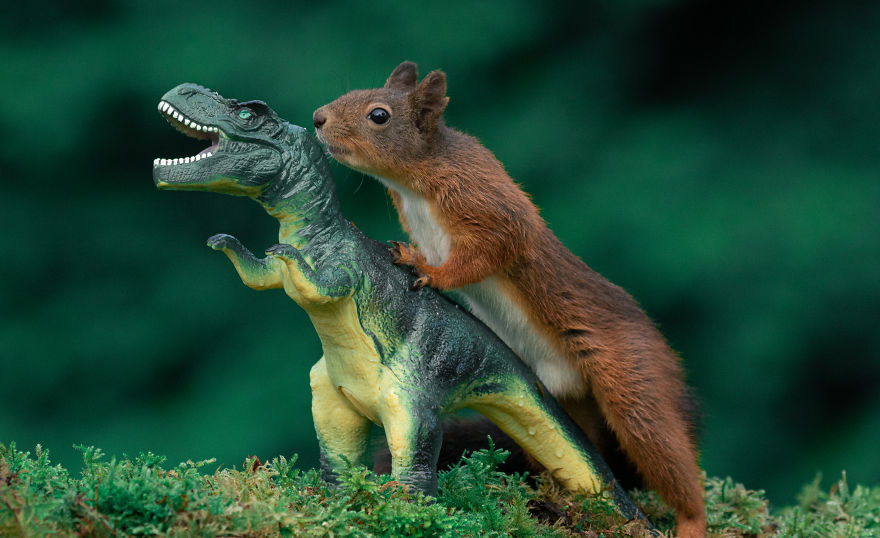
(307, 284)
(343, 433)
(256, 273)
(414, 437)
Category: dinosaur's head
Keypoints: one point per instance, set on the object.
(245, 151)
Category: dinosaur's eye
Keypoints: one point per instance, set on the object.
(244, 113)
(379, 116)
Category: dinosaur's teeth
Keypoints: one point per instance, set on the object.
(181, 160)
(168, 110)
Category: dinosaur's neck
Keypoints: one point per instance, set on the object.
(303, 198)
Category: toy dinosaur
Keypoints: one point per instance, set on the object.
(394, 356)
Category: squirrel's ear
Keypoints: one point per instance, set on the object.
(429, 100)
(404, 76)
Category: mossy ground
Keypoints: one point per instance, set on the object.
(144, 496)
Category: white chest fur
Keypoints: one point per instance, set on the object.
(497, 309)
(427, 233)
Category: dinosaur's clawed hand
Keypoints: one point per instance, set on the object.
(222, 241)
(281, 250)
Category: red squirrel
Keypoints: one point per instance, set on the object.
(477, 232)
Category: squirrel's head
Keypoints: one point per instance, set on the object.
(382, 131)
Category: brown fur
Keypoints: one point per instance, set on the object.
(634, 379)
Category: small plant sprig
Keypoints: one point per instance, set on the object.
(840, 511)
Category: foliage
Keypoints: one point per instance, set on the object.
(487, 501)
(838, 512)
(142, 496)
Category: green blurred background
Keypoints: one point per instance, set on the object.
(717, 159)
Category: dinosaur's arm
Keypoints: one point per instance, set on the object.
(306, 284)
(260, 274)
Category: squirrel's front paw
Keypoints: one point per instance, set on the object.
(405, 254)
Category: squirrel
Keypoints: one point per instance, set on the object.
(476, 231)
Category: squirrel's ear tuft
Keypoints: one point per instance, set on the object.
(429, 100)
(403, 77)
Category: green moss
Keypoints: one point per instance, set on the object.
(144, 496)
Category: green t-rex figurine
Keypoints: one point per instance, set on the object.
(395, 356)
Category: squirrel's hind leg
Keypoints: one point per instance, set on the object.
(640, 400)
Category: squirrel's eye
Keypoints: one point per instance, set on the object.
(379, 116)
(244, 113)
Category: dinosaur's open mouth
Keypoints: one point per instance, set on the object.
(192, 129)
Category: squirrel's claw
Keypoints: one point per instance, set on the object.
(396, 247)
(405, 254)
(421, 282)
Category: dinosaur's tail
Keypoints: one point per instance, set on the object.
(539, 425)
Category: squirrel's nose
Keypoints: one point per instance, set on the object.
(319, 119)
